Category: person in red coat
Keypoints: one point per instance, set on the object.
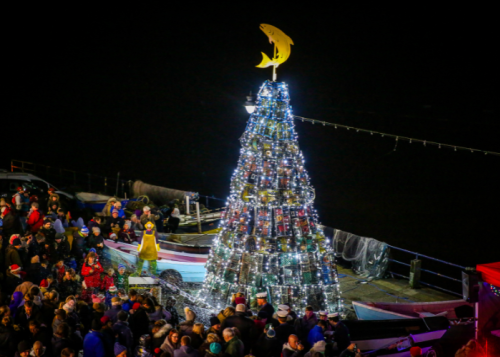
(91, 272)
(35, 219)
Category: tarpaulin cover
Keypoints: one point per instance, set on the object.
(490, 273)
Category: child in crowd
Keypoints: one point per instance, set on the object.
(108, 280)
(127, 234)
(122, 278)
(111, 292)
(59, 270)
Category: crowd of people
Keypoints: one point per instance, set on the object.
(57, 299)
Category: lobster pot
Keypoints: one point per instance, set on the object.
(146, 284)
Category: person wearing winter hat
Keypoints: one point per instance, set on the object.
(284, 330)
(215, 326)
(110, 294)
(14, 277)
(23, 349)
(114, 223)
(127, 234)
(267, 344)
(96, 241)
(121, 280)
(120, 350)
(79, 243)
(109, 279)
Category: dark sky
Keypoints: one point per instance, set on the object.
(157, 94)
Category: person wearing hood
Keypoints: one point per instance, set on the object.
(54, 199)
(122, 329)
(17, 299)
(317, 333)
(224, 314)
(170, 307)
(93, 345)
(293, 348)
(159, 333)
(96, 241)
(319, 346)
(148, 249)
(186, 327)
(139, 321)
(244, 324)
(173, 221)
(304, 324)
(171, 343)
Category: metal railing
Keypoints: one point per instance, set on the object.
(418, 256)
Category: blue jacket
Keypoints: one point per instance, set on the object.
(315, 335)
(127, 305)
(93, 345)
(113, 313)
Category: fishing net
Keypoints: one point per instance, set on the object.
(369, 257)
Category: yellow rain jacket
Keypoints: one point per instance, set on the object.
(149, 247)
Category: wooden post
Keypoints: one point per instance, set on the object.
(415, 266)
(198, 216)
(187, 204)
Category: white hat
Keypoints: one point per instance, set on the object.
(283, 307)
(282, 313)
(319, 346)
(323, 313)
(335, 314)
(146, 208)
(262, 295)
(241, 308)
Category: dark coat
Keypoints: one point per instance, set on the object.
(341, 336)
(303, 325)
(196, 340)
(113, 313)
(245, 325)
(139, 323)
(283, 331)
(12, 256)
(186, 351)
(78, 246)
(93, 346)
(269, 309)
(125, 338)
(92, 242)
(11, 282)
(23, 320)
(59, 344)
(234, 348)
(7, 343)
(267, 347)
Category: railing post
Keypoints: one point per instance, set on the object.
(415, 271)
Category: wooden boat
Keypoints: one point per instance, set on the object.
(393, 311)
(394, 338)
(190, 266)
(94, 201)
(191, 226)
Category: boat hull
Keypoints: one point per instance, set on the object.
(190, 266)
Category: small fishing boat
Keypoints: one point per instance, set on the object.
(187, 243)
(413, 310)
(394, 338)
(94, 201)
(190, 266)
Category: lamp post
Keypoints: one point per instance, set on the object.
(250, 103)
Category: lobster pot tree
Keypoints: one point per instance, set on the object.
(270, 238)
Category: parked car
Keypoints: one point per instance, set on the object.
(10, 181)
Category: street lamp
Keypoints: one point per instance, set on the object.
(250, 104)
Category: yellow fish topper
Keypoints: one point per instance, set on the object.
(282, 47)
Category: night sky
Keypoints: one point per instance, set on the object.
(157, 94)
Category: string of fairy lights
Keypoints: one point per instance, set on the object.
(397, 138)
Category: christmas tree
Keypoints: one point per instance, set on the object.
(270, 240)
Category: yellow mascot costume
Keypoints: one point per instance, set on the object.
(148, 249)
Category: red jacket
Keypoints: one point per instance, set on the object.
(92, 280)
(35, 221)
(107, 282)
